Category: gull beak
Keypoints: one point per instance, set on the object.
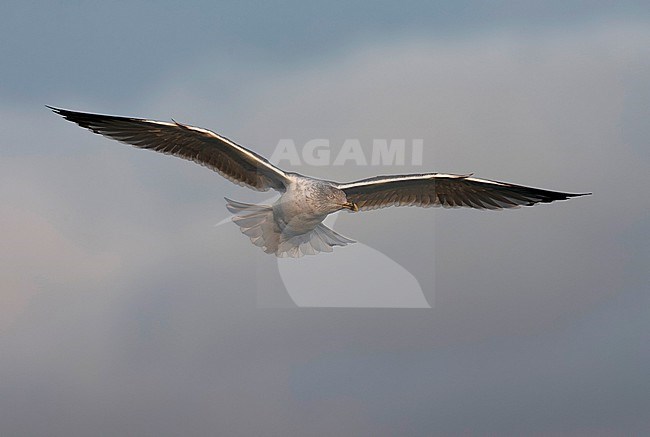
(351, 206)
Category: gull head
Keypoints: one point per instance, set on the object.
(331, 199)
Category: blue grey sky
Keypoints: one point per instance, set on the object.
(125, 311)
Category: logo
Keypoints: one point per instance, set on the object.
(319, 152)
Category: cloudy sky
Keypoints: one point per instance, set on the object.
(125, 311)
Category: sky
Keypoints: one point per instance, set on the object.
(124, 310)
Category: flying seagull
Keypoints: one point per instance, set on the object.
(293, 226)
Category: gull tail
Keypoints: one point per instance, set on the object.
(258, 223)
(320, 239)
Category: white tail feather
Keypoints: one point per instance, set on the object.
(257, 222)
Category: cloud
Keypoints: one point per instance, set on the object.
(126, 309)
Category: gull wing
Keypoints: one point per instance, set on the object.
(230, 160)
(447, 190)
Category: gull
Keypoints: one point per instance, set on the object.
(293, 225)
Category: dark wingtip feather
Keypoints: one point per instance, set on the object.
(566, 196)
(65, 113)
(81, 118)
(55, 110)
(546, 196)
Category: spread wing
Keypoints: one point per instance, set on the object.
(436, 189)
(230, 160)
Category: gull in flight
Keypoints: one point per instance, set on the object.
(293, 226)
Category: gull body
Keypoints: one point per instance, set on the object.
(307, 202)
(293, 225)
